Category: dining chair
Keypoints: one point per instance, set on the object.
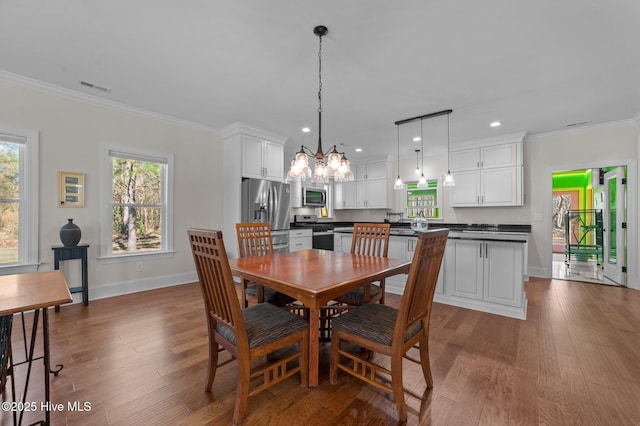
(254, 239)
(249, 333)
(381, 329)
(369, 239)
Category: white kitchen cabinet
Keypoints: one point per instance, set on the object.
(485, 275)
(372, 194)
(467, 277)
(503, 265)
(489, 175)
(342, 242)
(262, 159)
(350, 195)
(369, 190)
(488, 187)
(372, 171)
(345, 195)
(502, 155)
(300, 239)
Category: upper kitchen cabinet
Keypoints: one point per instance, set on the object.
(370, 190)
(488, 173)
(372, 171)
(262, 159)
(241, 140)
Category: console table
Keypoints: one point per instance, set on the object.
(61, 253)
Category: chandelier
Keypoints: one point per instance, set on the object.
(332, 164)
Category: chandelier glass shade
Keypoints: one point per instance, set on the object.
(330, 165)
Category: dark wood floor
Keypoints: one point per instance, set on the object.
(140, 359)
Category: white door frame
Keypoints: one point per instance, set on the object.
(632, 212)
(614, 271)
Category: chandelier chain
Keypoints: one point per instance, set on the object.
(320, 76)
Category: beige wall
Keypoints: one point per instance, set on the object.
(72, 132)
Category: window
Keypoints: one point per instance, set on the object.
(424, 201)
(18, 200)
(137, 196)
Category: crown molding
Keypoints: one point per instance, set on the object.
(494, 140)
(585, 129)
(247, 129)
(83, 97)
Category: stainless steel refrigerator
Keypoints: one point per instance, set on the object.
(268, 201)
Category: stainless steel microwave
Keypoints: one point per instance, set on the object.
(314, 197)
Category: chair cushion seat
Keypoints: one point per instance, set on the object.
(357, 295)
(374, 322)
(265, 323)
(270, 295)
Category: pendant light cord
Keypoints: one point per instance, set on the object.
(398, 131)
(422, 146)
(319, 96)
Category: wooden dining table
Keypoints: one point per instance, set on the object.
(315, 277)
(34, 291)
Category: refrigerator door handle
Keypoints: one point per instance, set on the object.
(271, 205)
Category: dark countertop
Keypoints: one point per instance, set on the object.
(506, 233)
(462, 227)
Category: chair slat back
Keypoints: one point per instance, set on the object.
(216, 282)
(417, 299)
(370, 239)
(254, 239)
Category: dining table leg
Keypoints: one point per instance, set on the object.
(314, 345)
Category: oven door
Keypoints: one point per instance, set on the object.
(322, 240)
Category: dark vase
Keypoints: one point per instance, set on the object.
(70, 234)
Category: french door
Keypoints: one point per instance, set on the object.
(614, 223)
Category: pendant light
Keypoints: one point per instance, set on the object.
(422, 182)
(332, 164)
(399, 183)
(417, 172)
(448, 179)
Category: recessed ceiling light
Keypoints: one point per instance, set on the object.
(417, 139)
(496, 124)
(358, 149)
(306, 130)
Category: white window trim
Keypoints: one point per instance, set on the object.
(106, 213)
(29, 196)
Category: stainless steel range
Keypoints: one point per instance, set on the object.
(322, 232)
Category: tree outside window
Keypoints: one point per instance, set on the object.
(18, 200)
(9, 202)
(139, 207)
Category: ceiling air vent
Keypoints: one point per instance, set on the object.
(95, 86)
(581, 123)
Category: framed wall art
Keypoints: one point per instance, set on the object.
(70, 189)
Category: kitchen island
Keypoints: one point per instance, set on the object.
(484, 266)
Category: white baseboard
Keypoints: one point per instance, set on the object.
(479, 305)
(126, 287)
(540, 272)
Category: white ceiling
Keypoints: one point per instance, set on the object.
(535, 65)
